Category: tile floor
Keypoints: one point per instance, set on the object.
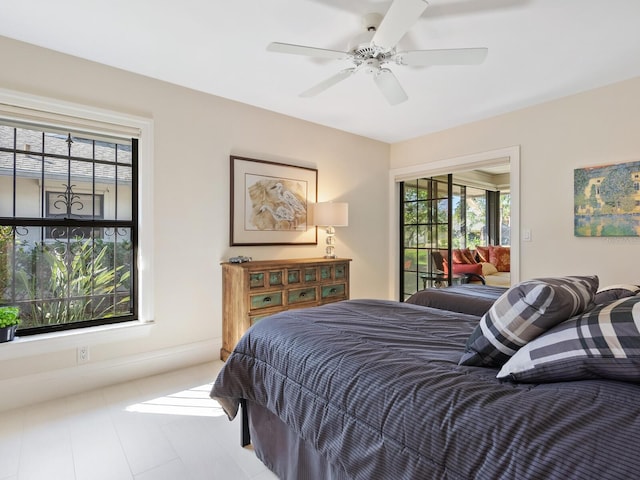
(163, 427)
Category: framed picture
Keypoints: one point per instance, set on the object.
(270, 203)
(607, 200)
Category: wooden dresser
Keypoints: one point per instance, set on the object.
(256, 289)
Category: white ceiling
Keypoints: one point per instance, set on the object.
(538, 50)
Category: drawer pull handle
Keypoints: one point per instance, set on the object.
(267, 299)
(333, 290)
(303, 294)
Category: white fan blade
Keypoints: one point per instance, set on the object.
(450, 56)
(390, 86)
(401, 16)
(329, 82)
(307, 51)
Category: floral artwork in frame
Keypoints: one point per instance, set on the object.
(270, 203)
(607, 200)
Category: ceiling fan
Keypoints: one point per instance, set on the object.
(375, 48)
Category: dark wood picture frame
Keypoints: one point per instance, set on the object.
(270, 203)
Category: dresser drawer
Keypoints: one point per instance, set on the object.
(275, 278)
(325, 272)
(253, 319)
(340, 271)
(333, 291)
(293, 276)
(256, 279)
(266, 300)
(301, 295)
(310, 274)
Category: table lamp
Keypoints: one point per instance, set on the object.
(330, 215)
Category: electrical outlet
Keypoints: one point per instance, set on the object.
(83, 354)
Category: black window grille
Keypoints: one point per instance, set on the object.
(425, 216)
(68, 227)
(63, 204)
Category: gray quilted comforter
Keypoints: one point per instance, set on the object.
(469, 298)
(375, 387)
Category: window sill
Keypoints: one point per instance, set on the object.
(33, 345)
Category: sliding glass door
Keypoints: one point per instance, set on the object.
(438, 215)
(425, 213)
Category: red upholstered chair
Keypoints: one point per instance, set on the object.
(468, 271)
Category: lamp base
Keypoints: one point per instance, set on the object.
(330, 249)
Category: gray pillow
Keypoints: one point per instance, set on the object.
(524, 312)
(615, 292)
(602, 343)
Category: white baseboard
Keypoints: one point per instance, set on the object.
(40, 387)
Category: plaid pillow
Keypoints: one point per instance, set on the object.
(524, 312)
(603, 343)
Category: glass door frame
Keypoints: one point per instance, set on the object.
(422, 225)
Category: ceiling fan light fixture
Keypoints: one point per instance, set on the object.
(371, 66)
(375, 47)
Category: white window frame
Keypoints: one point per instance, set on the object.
(26, 107)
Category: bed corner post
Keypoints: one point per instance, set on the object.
(245, 437)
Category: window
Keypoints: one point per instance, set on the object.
(505, 218)
(474, 218)
(68, 226)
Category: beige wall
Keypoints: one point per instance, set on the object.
(194, 136)
(593, 128)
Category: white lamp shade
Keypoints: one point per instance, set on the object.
(331, 214)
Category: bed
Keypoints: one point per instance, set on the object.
(471, 298)
(375, 389)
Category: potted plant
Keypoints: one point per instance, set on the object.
(9, 320)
